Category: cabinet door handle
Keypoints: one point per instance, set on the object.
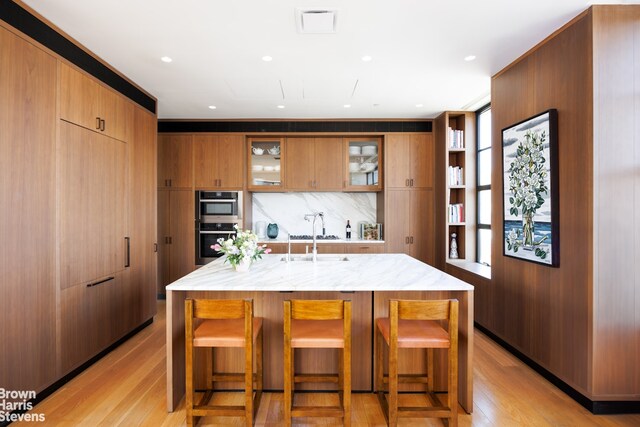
(155, 247)
(98, 123)
(127, 261)
(170, 183)
(102, 125)
(411, 240)
(406, 183)
(406, 240)
(100, 282)
(166, 240)
(412, 182)
(170, 240)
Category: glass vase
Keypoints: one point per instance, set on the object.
(243, 265)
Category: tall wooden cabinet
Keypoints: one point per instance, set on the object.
(76, 163)
(409, 197)
(27, 184)
(143, 215)
(176, 235)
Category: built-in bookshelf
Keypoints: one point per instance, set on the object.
(456, 139)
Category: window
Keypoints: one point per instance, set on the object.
(483, 185)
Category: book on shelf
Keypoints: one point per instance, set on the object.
(456, 174)
(456, 138)
(456, 213)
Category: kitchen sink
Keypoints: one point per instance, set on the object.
(320, 258)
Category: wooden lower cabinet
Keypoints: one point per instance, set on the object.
(364, 248)
(86, 322)
(269, 305)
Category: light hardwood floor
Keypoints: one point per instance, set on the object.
(127, 388)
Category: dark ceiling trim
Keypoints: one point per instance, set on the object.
(294, 126)
(21, 19)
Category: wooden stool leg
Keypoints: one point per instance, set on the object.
(287, 383)
(393, 387)
(430, 382)
(248, 387)
(452, 396)
(259, 374)
(346, 378)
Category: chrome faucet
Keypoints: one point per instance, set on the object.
(314, 252)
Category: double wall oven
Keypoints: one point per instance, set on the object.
(217, 212)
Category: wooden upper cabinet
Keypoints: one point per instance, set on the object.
(409, 161)
(328, 164)
(218, 161)
(175, 161)
(87, 103)
(299, 162)
(314, 164)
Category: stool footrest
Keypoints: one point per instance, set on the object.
(423, 412)
(222, 411)
(315, 411)
(315, 378)
(409, 379)
(230, 377)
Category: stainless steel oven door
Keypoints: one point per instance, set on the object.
(207, 235)
(222, 206)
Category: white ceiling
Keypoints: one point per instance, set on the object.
(418, 49)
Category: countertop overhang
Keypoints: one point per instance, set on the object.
(362, 272)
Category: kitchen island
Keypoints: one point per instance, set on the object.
(368, 280)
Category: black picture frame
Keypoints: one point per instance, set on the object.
(530, 190)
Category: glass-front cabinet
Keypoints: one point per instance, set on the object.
(265, 168)
(363, 165)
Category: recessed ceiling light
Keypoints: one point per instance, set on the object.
(366, 58)
(166, 59)
(212, 107)
(469, 58)
(267, 58)
(347, 105)
(281, 106)
(419, 105)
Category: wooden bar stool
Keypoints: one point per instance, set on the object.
(414, 324)
(317, 324)
(226, 323)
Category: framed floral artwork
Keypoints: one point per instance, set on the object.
(530, 189)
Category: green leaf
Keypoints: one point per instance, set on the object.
(544, 255)
(511, 200)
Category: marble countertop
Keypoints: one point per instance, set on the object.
(362, 272)
(322, 241)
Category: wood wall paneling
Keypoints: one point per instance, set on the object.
(616, 323)
(27, 184)
(544, 311)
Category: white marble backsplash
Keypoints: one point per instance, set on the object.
(288, 210)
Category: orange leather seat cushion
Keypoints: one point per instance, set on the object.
(416, 333)
(317, 333)
(223, 332)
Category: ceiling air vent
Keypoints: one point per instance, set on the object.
(316, 21)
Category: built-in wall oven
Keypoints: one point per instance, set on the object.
(217, 214)
(215, 206)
